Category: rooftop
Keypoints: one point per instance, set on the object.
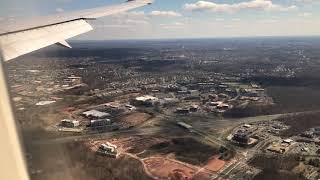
(146, 98)
(95, 113)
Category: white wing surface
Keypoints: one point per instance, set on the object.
(27, 35)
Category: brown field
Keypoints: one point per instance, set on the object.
(75, 161)
(184, 150)
(135, 118)
(169, 158)
(168, 169)
(136, 144)
(215, 164)
(203, 175)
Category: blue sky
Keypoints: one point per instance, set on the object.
(186, 18)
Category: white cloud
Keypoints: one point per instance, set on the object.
(229, 26)
(265, 5)
(123, 20)
(135, 21)
(269, 21)
(307, 1)
(165, 14)
(305, 14)
(117, 26)
(146, 16)
(136, 13)
(59, 10)
(219, 19)
(138, 18)
(175, 25)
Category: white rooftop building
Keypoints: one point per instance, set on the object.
(146, 98)
(69, 123)
(43, 103)
(96, 114)
(184, 125)
(289, 141)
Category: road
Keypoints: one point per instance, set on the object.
(243, 160)
(198, 129)
(133, 131)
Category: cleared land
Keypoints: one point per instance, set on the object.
(186, 149)
(165, 157)
(134, 119)
(164, 168)
(215, 164)
(74, 161)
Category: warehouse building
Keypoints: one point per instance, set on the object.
(100, 123)
(67, 123)
(145, 100)
(95, 114)
(108, 149)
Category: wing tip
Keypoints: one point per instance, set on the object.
(64, 44)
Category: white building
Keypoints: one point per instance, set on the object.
(184, 125)
(69, 123)
(43, 103)
(100, 122)
(146, 98)
(96, 114)
(108, 149)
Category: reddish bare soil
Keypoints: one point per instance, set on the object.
(168, 169)
(215, 164)
(164, 157)
(203, 175)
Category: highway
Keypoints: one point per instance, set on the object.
(198, 129)
(97, 136)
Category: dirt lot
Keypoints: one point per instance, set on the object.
(164, 168)
(75, 162)
(134, 119)
(215, 164)
(186, 149)
(203, 175)
(176, 158)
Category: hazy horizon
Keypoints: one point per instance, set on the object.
(167, 19)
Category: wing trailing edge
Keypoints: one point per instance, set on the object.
(22, 37)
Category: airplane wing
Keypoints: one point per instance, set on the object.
(27, 35)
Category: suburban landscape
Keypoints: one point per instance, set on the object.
(238, 108)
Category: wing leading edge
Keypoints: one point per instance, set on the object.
(19, 38)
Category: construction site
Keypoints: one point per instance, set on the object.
(163, 157)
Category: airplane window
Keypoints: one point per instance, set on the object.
(177, 90)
